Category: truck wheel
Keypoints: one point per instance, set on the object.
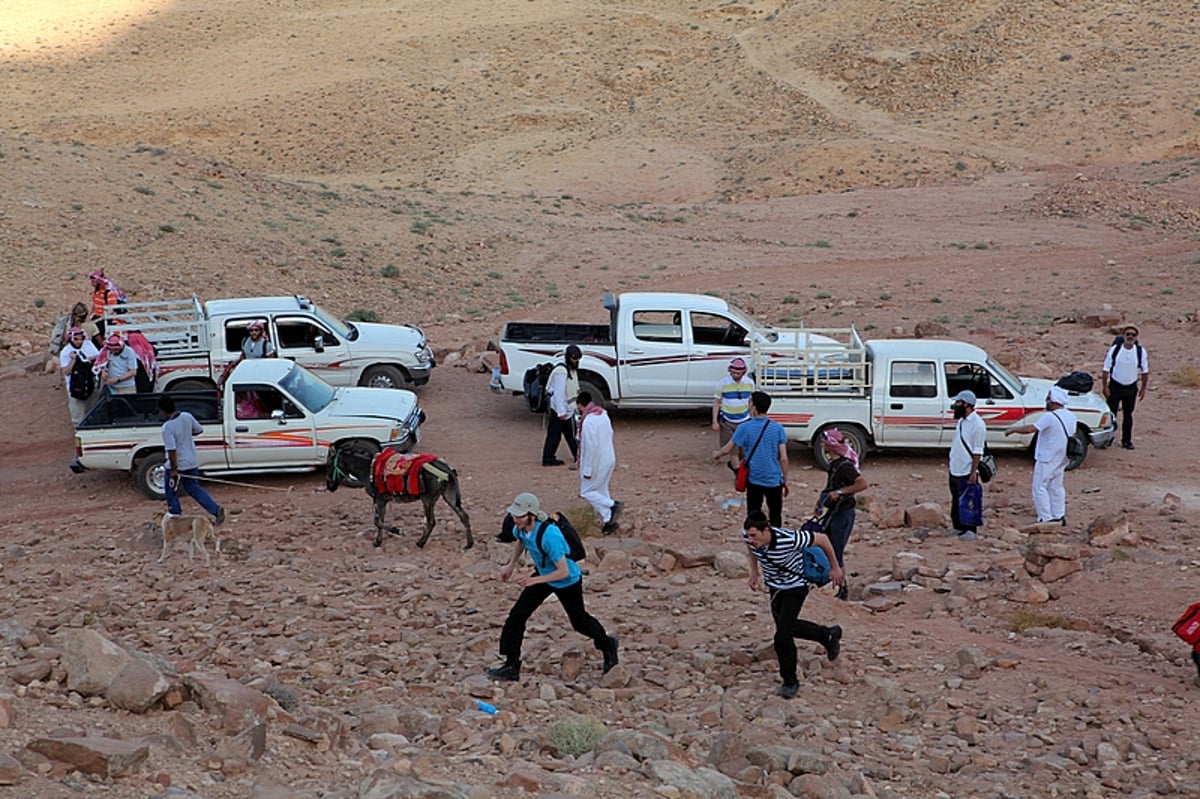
(152, 475)
(593, 389)
(1081, 436)
(383, 376)
(191, 385)
(853, 435)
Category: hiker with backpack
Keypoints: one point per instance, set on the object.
(77, 362)
(555, 573)
(1123, 382)
(563, 387)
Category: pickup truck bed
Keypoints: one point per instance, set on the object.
(556, 333)
(138, 410)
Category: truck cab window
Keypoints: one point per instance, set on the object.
(974, 377)
(237, 331)
(660, 326)
(913, 379)
(715, 330)
(302, 333)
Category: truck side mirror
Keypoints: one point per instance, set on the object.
(319, 343)
(277, 415)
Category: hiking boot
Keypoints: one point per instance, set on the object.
(843, 593)
(220, 517)
(1127, 445)
(610, 654)
(609, 528)
(967, 535)
(615, 513)
(506, 673)
(834, 647)
(788, 690)
(552, 462)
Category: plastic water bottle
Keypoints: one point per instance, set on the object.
(732, 502)
(485, 707)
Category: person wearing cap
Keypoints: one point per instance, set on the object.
(1124, 378)
(970, 436)
(563, 386)
(1050, 456)
(120, 366)
(555, 573)
(731, 402)
(77, 346)
(836, 502)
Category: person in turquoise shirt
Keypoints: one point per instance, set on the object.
(555, 574)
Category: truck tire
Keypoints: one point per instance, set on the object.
(383, 376)
(152, 475)
(855, 436)
(191, 384)
(594, 389)
(1081, 435)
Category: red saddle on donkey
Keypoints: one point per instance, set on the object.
(398, 473)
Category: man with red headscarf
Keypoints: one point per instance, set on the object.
(836, 499)
(105, 295)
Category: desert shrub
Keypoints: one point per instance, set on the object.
(577, 735)
(584, 518)
(1186, 375)
(362, 315)
(391, 270)
(286, 697)
(1025, 618)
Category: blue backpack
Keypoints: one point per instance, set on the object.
(816, 562)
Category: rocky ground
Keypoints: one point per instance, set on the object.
(1021, 175)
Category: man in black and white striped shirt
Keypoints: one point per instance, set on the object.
(776, 558)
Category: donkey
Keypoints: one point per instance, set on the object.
(355, 464)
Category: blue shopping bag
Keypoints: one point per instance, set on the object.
(970, 505)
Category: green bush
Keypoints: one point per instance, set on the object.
(363, 315)
(577, 735)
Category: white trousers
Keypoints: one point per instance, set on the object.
(595, 490)
(1049, 497)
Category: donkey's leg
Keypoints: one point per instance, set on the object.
(454, 500)
(380, 512)
(428, 500)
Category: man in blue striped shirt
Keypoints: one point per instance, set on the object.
(776, 558)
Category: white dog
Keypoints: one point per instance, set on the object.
(193, 529)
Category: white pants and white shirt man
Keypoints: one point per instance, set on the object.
(1050, 456)
(597, 461)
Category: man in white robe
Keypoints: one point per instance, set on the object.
(597, 459)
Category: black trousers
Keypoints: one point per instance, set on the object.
(1123, 398)
(785, 609)
(957, 486)
(531, 598)
(774, 497)
(556, 430)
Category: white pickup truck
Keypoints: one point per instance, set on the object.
(897, 393)
(195, 342)
(274, 416)
(658, 350)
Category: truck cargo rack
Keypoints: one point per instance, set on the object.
(794, 364)
(176, 328)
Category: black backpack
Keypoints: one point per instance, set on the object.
(1075, 382)
(83, 379)
(575, 548)
(537, 379)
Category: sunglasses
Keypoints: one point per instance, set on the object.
(1131, 335)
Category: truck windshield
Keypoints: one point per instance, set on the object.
(306, 388)
(345, 330)
(1014, 383)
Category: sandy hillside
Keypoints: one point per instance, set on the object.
(1024, 175)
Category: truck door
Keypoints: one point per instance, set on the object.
(312, 344)
(910, 410)
(997, 404)
(268, 429)
(653, 361)
(714, 340)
